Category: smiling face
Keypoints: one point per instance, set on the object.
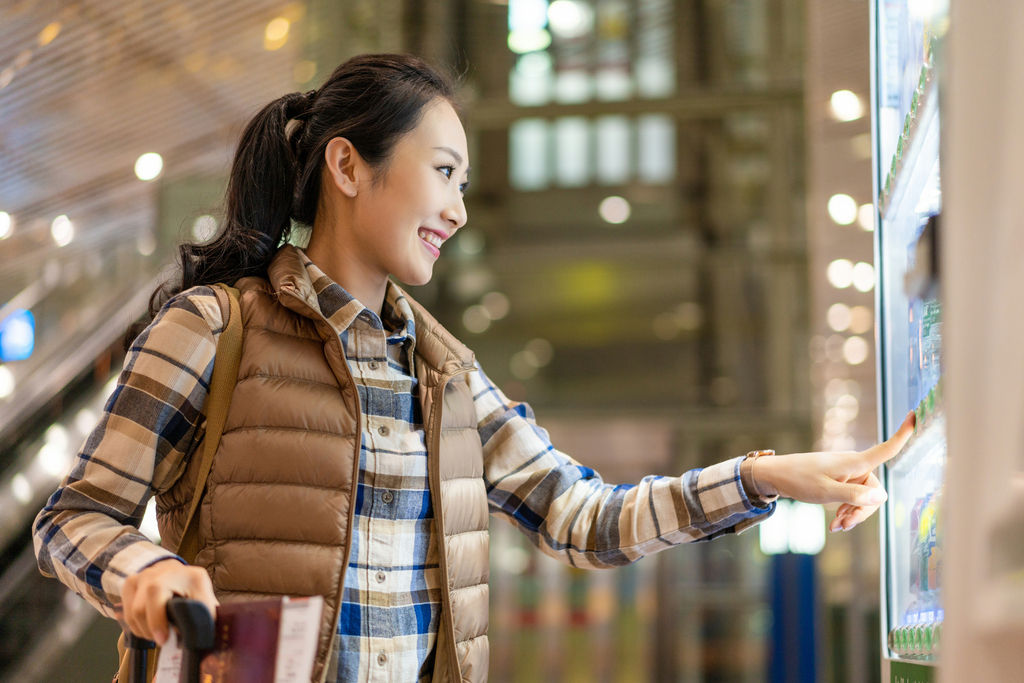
(398, 225)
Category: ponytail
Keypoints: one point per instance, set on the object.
(372, 100)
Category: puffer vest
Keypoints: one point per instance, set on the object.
(277, 515)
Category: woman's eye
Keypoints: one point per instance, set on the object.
(451, 169)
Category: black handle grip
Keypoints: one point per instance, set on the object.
(193, 621)
(196, 633)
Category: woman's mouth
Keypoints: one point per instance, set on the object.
(432, 240)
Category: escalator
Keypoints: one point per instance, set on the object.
(81, 298)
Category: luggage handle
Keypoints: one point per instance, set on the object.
(196, 632)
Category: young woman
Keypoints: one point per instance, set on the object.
(364, 446)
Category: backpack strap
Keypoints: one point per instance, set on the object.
(222, 385)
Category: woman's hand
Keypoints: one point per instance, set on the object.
(145, 595)
(846, 477)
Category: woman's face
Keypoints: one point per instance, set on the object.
(400, 224)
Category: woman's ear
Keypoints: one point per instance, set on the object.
(345, 165)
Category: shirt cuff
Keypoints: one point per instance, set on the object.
(132, 560)
(750, 488)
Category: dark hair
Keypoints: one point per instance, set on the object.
(372, 100)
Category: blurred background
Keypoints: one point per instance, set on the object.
(681, 185)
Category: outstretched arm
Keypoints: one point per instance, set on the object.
(567, 510)
(846, 477)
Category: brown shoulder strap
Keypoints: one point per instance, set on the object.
(222, 385)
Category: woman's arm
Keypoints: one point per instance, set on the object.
(567, 511)
(87, 535)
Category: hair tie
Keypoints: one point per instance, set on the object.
(302, 105)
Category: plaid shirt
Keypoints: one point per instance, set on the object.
(87, 535)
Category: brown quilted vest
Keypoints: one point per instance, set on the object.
(277, 515)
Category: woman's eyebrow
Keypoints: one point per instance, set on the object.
(458, 157)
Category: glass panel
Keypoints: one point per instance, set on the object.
(528, 158)
(656, 147)
(614, 150)
(572, 140)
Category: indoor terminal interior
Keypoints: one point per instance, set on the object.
(695, 229)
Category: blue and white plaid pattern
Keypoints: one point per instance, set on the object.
(87, 537)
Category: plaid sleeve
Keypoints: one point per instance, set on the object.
(87, 534)
(567, 511)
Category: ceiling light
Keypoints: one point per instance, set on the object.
(570, 19)
(840, 273)
(838, 317)
(864, 277)
(148, 166)
(276, 33)
(614, 210)
(6, 225)
(62, 231)
(846, 106)
(855, 350)
(529, 40)
(526, 15)
(866, 216)
(842, 209)
(861, 319)
(6, 382)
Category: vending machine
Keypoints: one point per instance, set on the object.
(906, 77)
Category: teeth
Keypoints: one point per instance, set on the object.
(432, 238)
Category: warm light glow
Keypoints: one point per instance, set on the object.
(497, 305)
(540, 352)
(866, 217)
(276, 33)
(842, 209)
(50, 32)
(304, 71)
(846, 106)
(6, 225)
(522, 365)
(862, 319)
(529, 40)
(6, 382)
(614, 210)
(53, 459)
(855, 350)
(476, 319)
(148, 166)
(21, 489)
(840, 273)
(62, 231)
(864, 277)
(838, 317)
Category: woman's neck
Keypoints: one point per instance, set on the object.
(364, 282)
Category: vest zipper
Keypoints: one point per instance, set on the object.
(434, 480)
(339, 591)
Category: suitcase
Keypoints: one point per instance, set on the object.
(195, 636)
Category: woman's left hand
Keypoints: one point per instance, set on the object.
(845, 477)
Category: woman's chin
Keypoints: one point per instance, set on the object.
(416, 277)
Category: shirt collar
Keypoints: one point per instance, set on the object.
(342, 310)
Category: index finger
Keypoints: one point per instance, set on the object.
(876, 455)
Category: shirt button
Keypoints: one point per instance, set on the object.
(381, 576)
(383, 431)
(387, 497)
(382, 659)
(373, 365)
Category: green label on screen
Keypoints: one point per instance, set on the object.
(905, 672)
